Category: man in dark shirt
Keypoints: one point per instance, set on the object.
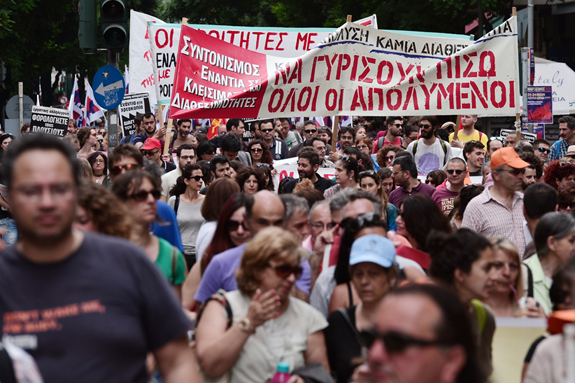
(307, 165)
(152, 150)
(87, 307)
(405, 175)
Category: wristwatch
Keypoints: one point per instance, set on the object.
(245, 325)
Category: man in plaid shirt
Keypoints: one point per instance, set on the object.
(567, 138)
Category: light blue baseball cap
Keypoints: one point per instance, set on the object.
(372, 248)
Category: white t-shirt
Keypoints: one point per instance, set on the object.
(429, 157)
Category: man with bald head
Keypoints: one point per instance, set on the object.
(263, 210)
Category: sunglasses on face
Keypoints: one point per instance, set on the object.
(142, 195)
(116, 170)
(149, 152)
(425, 126)
(266, 130)
(284, 270)
(196, 178)
(515, 172)
(398, 125)
(544, 150)
(310, 131)
(93, 134)
(256, 150)
(389, 158)
(396, 342)
(454, 171)
(235, 225)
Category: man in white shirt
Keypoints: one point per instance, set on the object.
(429, 152)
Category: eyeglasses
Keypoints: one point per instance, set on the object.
(150, 152)
(424, 126)
(544, 150)
(99, 161)
(515, 172)
(142, 195)
(196, 178)
(398, 125)
(266, 130)
(310, 131)
(235, 225)
(284, 270)
(120, 168)
(256, 150)
(187, 157)
(361, 147)
(454, 171)
(396, 342)
(323, 226)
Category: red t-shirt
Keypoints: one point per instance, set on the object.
(397, 141)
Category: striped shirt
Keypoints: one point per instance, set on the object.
(558, 150)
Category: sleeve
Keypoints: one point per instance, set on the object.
(451, 137)
(553, 153)
(315, 321)
(317, 298)
(393, 196)
(180, 276)
(448, 155)
(410, 148)
(164, 319)
(209, 284)
(172, 201)
(304, 281)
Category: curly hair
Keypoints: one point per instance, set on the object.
(248, 171)
(557, 170)
(382, 153)
(105, 210)
(266, 156)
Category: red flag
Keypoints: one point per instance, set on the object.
(213, 131)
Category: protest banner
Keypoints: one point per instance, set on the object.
(52, 121)
(539, 104)
(280, 42)
(133, 104)
(288, 168)
(529, 137)
(358, 71)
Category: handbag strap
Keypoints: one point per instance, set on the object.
(220, 297)
(358, 337)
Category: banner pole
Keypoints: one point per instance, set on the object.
(349, 19)
(456, 131)
(517, 115)
(335, 130)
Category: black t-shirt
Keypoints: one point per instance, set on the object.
(91, 317)
(342, 345)
(478, 173)
(322, 184)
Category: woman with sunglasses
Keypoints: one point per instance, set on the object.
(560, 174)
(245, 333)
(373, 274)
(186, 200)
(386, 155)
(554, 240)
(99, 163)
(436, 177)
(464, 262)
(139, 191)
(260, 153)
(231, 231)
(370, 182)
(87, 138)
(346, 175)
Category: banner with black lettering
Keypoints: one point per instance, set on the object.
(131, 105)
(52, 121)
(355, 71)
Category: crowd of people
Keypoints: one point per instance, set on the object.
(179, 258)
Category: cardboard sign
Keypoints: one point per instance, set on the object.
(49, 120)
(133, 104)
(288, 168)
(529, 137)
(357, 71)
(540, 104)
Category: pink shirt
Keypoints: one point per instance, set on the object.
(397, 141)
(489, 217)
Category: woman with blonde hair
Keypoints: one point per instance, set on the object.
(261, 324)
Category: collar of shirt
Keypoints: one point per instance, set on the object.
(516, 197)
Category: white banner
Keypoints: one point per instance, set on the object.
(288, 168)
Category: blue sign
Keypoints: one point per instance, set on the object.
(109, 87)
(539, 104)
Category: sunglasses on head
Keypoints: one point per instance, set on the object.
(454, 171)
(544, 150)
(142, 195)
(196, 178)
(234, 225)
(284, 270)
(364, 220)
(565, 163)
(396, 342)
(118, 169)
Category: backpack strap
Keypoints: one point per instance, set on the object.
(415, 147)
(174, 260)
(480, 313)
(221, 298)
(444, 151)
(350, 294)
(380, 142)
(177, 204)
(7, 374)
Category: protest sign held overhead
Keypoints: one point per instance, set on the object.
(357, 70)
(133, 104)
(52, 121)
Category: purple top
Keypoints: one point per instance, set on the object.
(399, 194)
(220, 274)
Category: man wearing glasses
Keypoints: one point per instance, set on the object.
(541, 148)
(152, 150)
(498, 211)
(278, 148)
(445, 197)
(186, 156)
(429, 152)
(309, 132)
(391, 136)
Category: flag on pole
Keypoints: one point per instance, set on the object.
(323, 121)
(75, 105)
(345, 121)
(213, 130)
(93, 110)
(127, 79)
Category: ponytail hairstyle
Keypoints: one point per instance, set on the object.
(180, 186)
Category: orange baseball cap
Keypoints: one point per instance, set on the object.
(507, 156)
